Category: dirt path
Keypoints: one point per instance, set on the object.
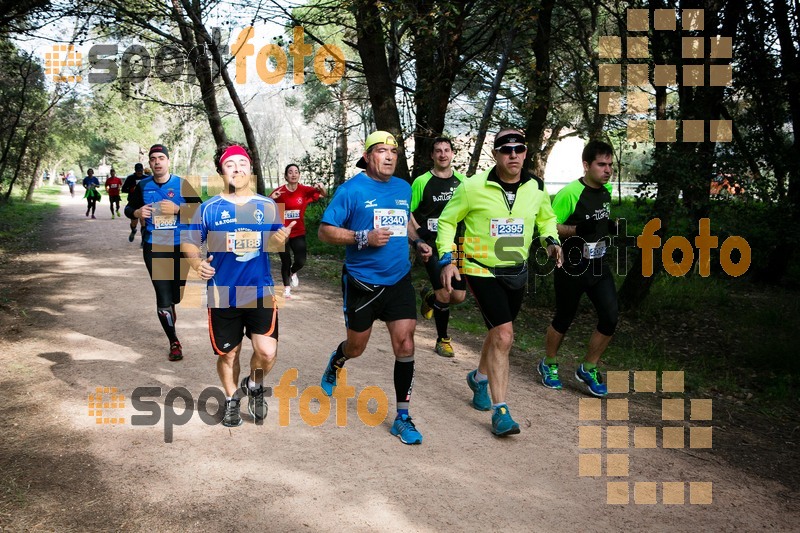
(86, 320)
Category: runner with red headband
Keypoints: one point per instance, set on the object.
(295, 198)
(237, 228)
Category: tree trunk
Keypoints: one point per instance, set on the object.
(536, 122)
(488, 109)
(781, 256)
(23, 148)
(340, 154)
(15, 123)
(436, 52)
(34, 180)
(372, 51)
(201, 67)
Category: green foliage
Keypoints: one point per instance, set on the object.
(21, 221)
(23, 99)
(315, 246)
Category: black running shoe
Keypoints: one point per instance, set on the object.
(256, 404)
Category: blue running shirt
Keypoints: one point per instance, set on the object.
(364, 203)
(237, 238)
(162, 228)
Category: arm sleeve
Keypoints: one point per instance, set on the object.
(338, 211)
(198, 231)
(135, 201)
(416, 192)
(564, 204)
(454, 212)
(312, 194)
(546, 220)
(276, 220)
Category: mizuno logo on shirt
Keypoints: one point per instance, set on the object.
(371, 203)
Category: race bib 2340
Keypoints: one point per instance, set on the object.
(394, 219)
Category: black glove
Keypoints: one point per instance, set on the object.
(586, 227)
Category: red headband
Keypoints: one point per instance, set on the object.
(233, 150)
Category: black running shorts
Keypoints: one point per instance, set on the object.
(227, 326)
(365, 303)
(498, 303)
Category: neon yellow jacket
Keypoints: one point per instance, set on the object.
(482, 205)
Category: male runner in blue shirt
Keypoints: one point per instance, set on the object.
(370, 214)
(164, 201)
(236, 226)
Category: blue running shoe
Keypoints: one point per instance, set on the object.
(404, 428)
(328, 381)
(549, 375)
(593, 379)
(502, 423)
(480, 389)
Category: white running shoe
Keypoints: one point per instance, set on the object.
(295, 280)
(287, 293)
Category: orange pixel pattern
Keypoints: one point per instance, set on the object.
(636, 100)
(616, 464)
(99, 406)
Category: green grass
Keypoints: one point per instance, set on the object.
(21, 222)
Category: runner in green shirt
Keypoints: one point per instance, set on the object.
(430, 192)
(583, 210)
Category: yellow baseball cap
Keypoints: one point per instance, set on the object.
(376, 137)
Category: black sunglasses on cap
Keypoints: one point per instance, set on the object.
(517, 148)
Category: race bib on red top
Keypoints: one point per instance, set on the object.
(291, 214)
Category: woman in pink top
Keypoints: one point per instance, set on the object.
(295, 197)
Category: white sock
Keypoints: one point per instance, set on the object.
(480, 377)
(501, 404)
(252, 385)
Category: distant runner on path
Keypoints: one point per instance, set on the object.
(71, 181)
(128, 187)
(113, 185)
(430, 192)
(295, 198)
(92, 195)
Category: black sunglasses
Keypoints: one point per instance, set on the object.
(517, 148)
